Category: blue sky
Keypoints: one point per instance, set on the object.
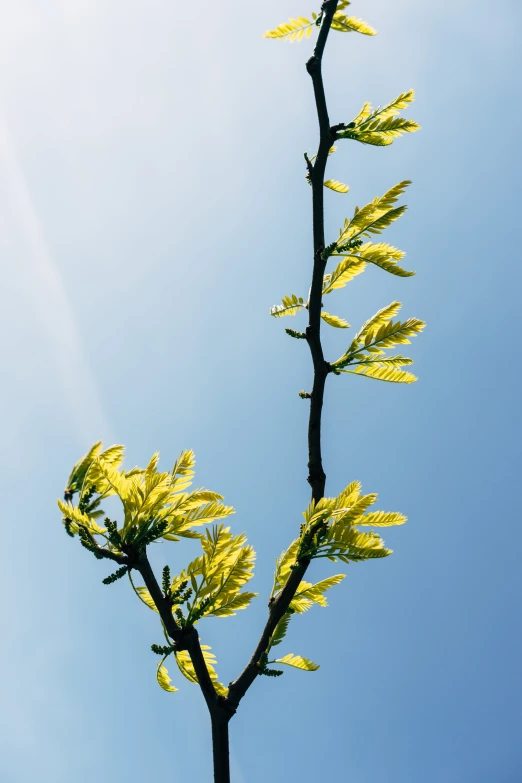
(152, 208)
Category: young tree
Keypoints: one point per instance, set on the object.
(158, 505)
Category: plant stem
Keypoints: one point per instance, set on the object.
(316, 477)
(220, 749)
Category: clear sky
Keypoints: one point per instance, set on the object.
(153, 207)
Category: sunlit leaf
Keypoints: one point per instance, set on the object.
(298, 662)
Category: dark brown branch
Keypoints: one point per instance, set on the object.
(220, 750)
(183, 638)
(215, 705)
(316, 477)
(121, 559)
(99, 551)
(277, 609)
(162, 604)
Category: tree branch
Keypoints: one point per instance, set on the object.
(316, 477)
(277, 609)
(184, 638)
(100, 552)
(161, 603)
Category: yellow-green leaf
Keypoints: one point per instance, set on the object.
(146, 597)
(384, 256)
(375, 216)
(346, 270)
(383, 373)
(284, 565)
(334, 184)
(349, 24)
(280, 631)
(183, 470)
(292, 30)
(308, 594)
(75, 480)
(186, 667)
(290, 305)
(334, 320)
(79, 518)
(382, 519)
(298, 662)
(162, 675)
(381, 126)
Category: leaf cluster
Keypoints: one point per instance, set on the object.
(155, 504)
(159, 505)
(331, 528)
(366, 354)
(379, 127)
(302, 27)
(218, 576)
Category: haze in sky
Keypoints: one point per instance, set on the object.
(153, 206)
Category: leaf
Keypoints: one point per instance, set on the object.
(280, 631)
(298, 662)
(373, 217)
(334, 320)
(292, 30)
(107, 478)
(348, 24)
(78, 517)
(146, 597)
(75, 480)
(183, 470)
(208, 512)
(154, 503)
(351, 514)
(162, 675)
(389, 110)
(290, 306)
(334, 184)
(308, 594)
(345, 271)
(384, 256)
(381, 126)
(384, 361)
(349, 495)
(229, 608)
(342, 539)
(226, 565)
(349, 544)
(186, 667)
(382, 519)
(380, 318)
(384, 134)
(383, 374)
(394, 333)
(284, 565)
(377, 334)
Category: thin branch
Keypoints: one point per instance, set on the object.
(183, 638)
(214, 703)
(316, 478)
(316, 475)
(121, 559)
(99, 551)
(162, 603)
(277, 609)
